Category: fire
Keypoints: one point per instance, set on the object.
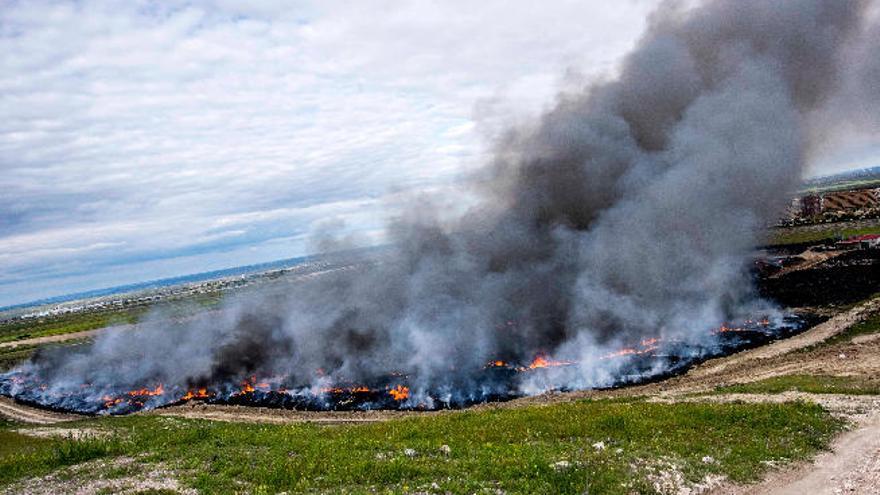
(247, 386)
(496, 364)
(647, 346)
(110, 401)
(747, 326)
(542, 361)
(399, 393)
(145, 392)
(201, 393)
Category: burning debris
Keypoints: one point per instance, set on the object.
(611, 235)
(650, 359)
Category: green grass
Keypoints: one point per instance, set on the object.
(59, 325)
(11, 331)
(12, 443)
(511, 449)
(843, 186)
(868, 326)
(10, 357)
(814, 384)
(800, 235)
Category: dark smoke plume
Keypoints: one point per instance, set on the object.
(629, 210)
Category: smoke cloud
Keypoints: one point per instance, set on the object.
(629, 210)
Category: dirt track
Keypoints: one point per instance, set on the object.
(278, 416)
(851, 466)
(63, 337)
(30, 415)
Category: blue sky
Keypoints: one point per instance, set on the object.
(142, 140)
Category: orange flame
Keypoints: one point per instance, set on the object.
(399, 393)
(247, 386)
(647, 345)
(201, 393)
(542, 361)
(159, 390)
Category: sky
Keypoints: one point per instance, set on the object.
(143, 140)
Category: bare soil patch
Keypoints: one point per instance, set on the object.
(31, 415)
(68, 433)
(81, 479)
(214, 412)
(63, 337)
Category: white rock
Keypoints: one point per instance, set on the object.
(445, 449)
(708, 460)
(599, 445)
(410, 453)
(842, 356)
(561, 465)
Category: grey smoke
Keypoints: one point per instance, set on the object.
(627, 211)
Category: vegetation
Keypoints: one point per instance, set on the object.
(868, 326)
(12, 443)
(848, 185)
(63, 324)
(604, 446)
(814, 384)
(15, 330)
(816, 233)
(11, 356)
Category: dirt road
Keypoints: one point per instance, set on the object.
(30, 415)
(851, 466)
(63, 337)
(247, 414)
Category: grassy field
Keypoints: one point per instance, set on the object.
(14, 444)
(58, 325)
(844, 186)
(11, 331)
(549, 449)
(9, 358)
(814, 384)
(868, 326)
(801, 235)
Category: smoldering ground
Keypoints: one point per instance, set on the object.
(627, 211)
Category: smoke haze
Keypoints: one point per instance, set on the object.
(629, 210)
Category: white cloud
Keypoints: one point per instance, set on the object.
(133, 132)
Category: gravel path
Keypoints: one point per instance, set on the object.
(63, 337)
(852, 466)
(248, 414)
(30, 415)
